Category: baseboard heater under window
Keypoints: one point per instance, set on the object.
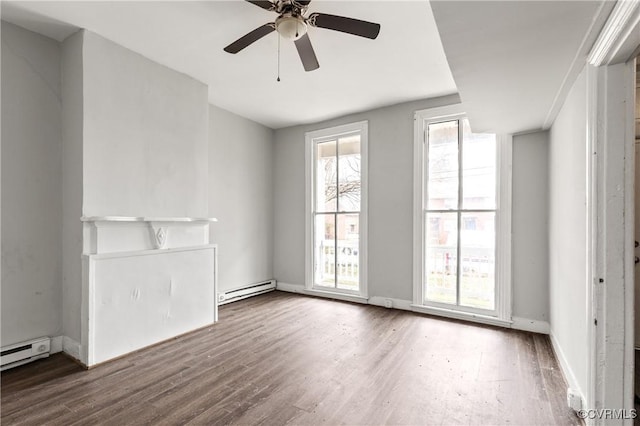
(243, 293)
(22, 353)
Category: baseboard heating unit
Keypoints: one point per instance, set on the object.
(243, 293)
(22, 353)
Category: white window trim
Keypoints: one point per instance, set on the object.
(502, 315)
(310, 140)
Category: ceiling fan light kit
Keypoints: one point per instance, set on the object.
(291, 27)
(291, 24)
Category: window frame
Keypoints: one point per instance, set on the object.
(311, 141)
(502, 314)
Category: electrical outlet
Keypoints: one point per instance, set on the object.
(388, 303)
(574, 400)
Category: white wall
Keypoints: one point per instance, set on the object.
(567, 235)
(124, 114)
(241, 197)
(119, 135)
(391, 207)
(31, 186)
(145, 136)
(72, 185)
(134, 144)
(530, 226)
(390, 198)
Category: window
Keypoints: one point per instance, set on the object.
(462, 218)
(336, 209)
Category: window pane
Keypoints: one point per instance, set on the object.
(325, 250)
(440, 260)
(326, 196)
(348, 233)
(442, 179)
(477, 250)
(478, 169)
(349, 173)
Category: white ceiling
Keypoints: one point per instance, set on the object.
(406, 62)
(515, 61)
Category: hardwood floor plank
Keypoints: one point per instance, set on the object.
(288, 359)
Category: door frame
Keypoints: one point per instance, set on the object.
(610, 206)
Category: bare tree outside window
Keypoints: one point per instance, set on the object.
(338, 203)
(349, 187)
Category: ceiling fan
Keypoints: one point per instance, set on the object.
(292, 24)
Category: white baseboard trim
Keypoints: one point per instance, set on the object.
(565, 368)
(289, 288)
(518, 323)
(71, 348)
(293, 288)
(55, 345)
(526, 324)
(464, 316)
(401, 304)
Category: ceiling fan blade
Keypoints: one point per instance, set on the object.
(346, 25)
(251, 37)
(267, 5)
(307, 55)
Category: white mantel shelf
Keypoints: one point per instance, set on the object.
(108, 234)
(145, 219)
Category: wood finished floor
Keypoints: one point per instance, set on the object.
(282, 358)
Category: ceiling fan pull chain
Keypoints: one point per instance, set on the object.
(278, 79)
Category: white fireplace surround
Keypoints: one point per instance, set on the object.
(144, 280)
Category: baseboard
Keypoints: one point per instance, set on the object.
(56, 345)
(290, 288)
(404, 305)
(293, 288)
(526, 324)
(71, 348)
(565, 368)
(463, 316)
(518, 323)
